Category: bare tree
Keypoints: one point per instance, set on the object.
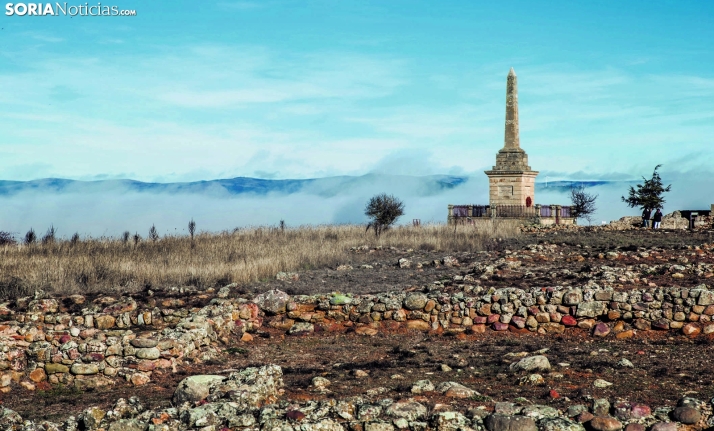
(383, 210)
(583, 203)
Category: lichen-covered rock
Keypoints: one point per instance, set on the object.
(560, 424)
(531, 363)
(421, 386)
(499, 422)
(455, 390)
(452, 421)
(195, 388)
(407, 409)
(273, 301)
(415, 301)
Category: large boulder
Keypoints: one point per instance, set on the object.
(195, 388)
(273, 301)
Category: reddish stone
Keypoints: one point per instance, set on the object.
(65, 338)
(691, 330)
(480, 320)
(568, 320)
(519, 322)
(553, 394)
(498, 326)
(635, 427)
(478, 329)
(601, 330)
(38, 375)
(492, 318)
(146, 365)
(625, 334)
(640, 411)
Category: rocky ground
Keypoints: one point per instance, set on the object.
(362, 379)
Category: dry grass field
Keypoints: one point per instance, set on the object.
(242, 256)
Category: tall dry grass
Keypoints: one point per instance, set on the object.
(244, 255)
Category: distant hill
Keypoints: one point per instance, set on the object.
(326, 187)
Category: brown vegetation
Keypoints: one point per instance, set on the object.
(241, 256)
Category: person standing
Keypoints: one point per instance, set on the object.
(657, 219)
(646, 215)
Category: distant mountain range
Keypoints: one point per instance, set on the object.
(330, 186)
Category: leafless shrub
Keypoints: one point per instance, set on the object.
(6, 238)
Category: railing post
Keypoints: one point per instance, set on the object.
(470, 211)
(557, 213)
(450, 216)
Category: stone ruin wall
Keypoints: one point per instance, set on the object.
(129, 341)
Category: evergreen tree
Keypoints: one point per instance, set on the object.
(649, 194)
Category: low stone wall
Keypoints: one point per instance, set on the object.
(549, 310)
(121, 339)
(118, 338)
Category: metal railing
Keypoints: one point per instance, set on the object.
(462, 212)
(515, 211)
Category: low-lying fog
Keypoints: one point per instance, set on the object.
(111, 211)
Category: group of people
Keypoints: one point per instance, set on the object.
(656, 219)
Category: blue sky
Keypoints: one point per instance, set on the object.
(297, 89)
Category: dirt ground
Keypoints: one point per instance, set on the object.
(666, 366)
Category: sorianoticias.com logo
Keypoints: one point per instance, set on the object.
(64, 9)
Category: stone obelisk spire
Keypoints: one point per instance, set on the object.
(511, 181)
(512, 138)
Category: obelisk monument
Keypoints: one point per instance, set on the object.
(511, 181)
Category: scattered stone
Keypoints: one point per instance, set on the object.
(455, 390)
(664, 426)
(605, 423)
(625, 363)
(532, 379)
(600, 383)
(531, 363)
(686, 415)
(301, 328)
(422, 386)
(320, 382)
